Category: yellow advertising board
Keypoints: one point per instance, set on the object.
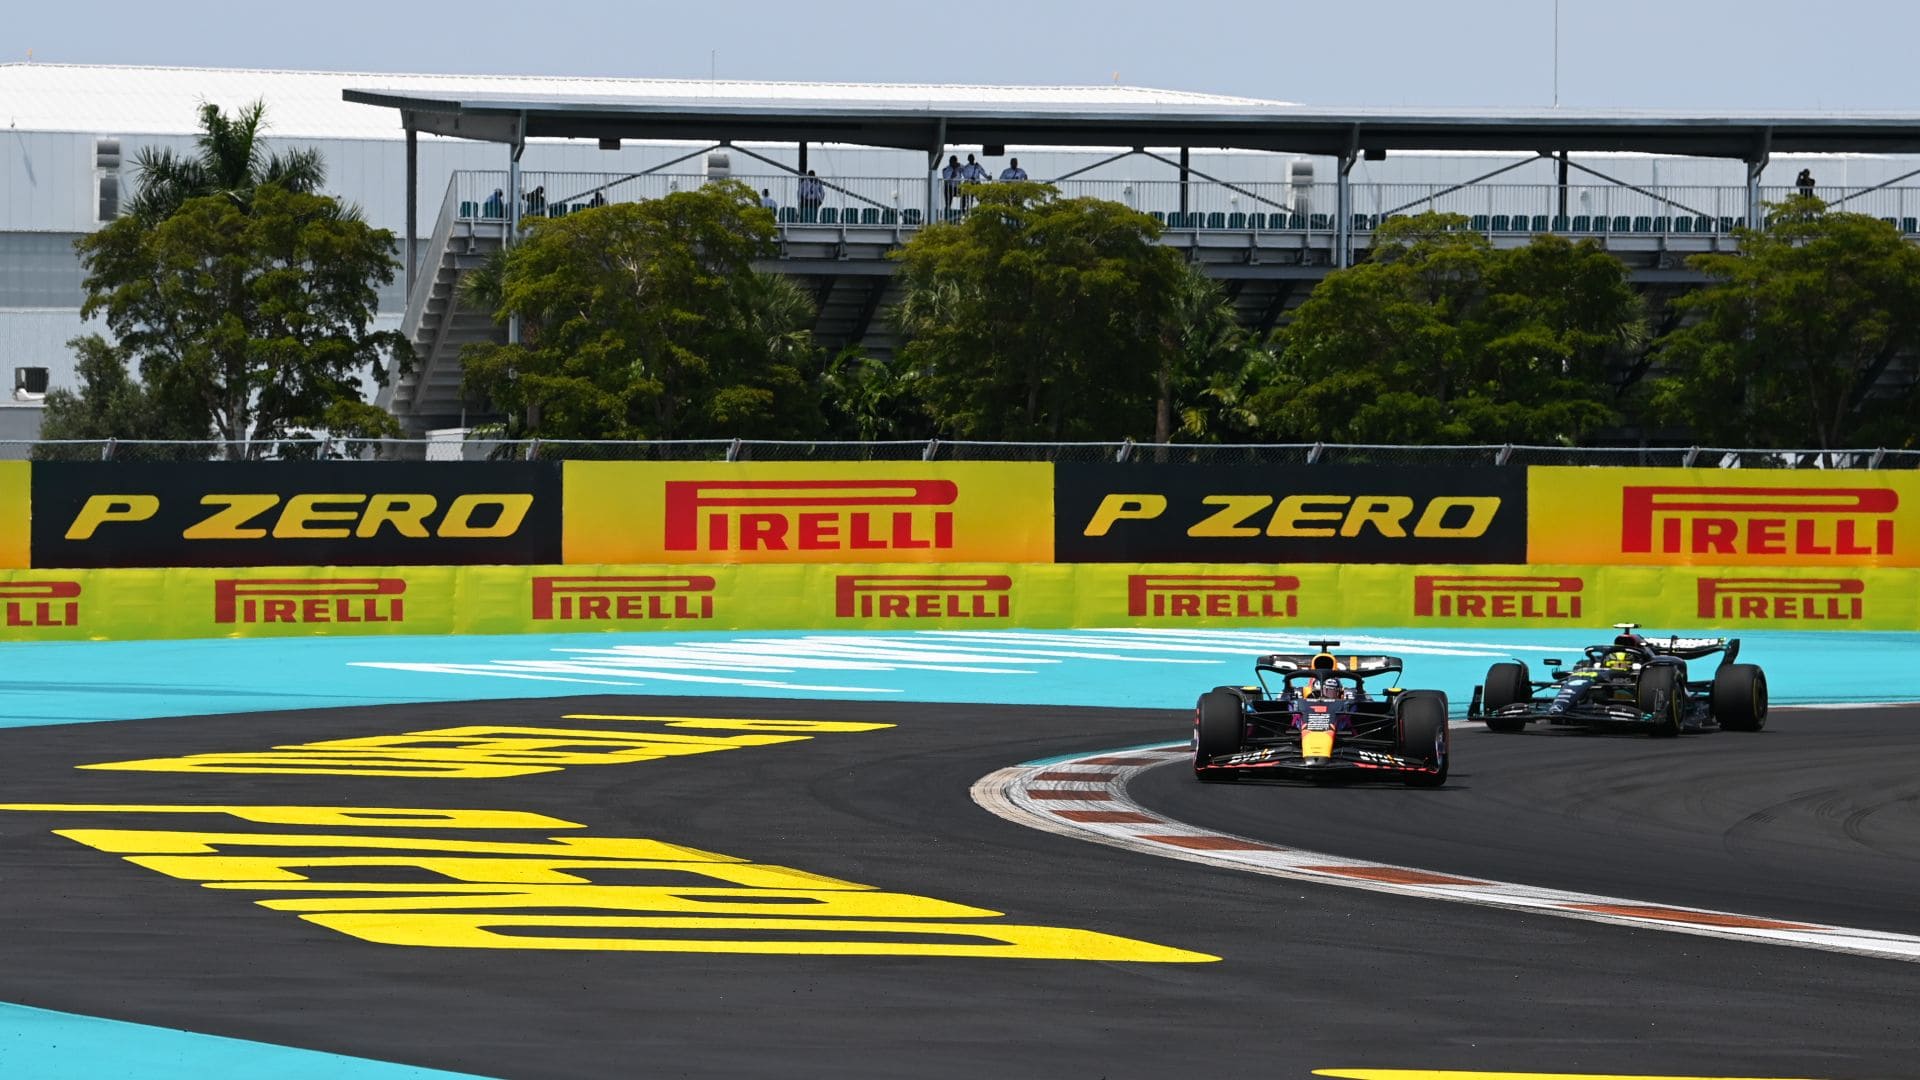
(1722, 517)
(16, 501)
(253, 602)
(807, 512)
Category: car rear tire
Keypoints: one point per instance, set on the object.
(1658, 680)
(1506, 684)
(1217, 725)
(1739, 701)
(1423, 735)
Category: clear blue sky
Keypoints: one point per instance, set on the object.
(1682, 54)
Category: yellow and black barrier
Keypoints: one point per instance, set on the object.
(50, 605)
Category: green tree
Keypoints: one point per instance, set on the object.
(648, 321)
(253, 319)
(1440, 338)
(1219, 369)
(111, 404)
(871, 399)
(1794, 343)
(232, 160)
(1040, 317)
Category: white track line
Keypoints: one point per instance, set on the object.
(1085, 797)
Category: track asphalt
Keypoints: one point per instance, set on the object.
(1814, 818)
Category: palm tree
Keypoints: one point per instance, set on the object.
(232, 160)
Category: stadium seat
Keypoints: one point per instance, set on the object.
(1659, 225)
(1600, 224)
(1363, 223)
(1320, 222)
(1540, 223)
(1582, 223)
(829, 216)
(1478, 223)
(1502, 223)
(469, 209)
(1176, 220)
(1216, 220)
(1909, 225)
(1644, 224)
(1560, 223)
(1891, 222)
(1159, 217)
(1622, 223)
(888, 216)
(1682, 224)
(1257, 222)
(910, 217)
(1703, 224)
(1727, 224)
(1236, 220)
(869, 215)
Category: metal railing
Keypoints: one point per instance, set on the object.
(899, 202)
(482, 448)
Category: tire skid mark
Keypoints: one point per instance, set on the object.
(1086, 798)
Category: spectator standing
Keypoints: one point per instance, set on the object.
(599, 198)
(1013, 171)
(812, 193)
(971, 173)
(767, 200)
(1805, 183)
(537, 202)
(950, 181)
(496, 205)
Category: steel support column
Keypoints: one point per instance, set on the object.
(1343, 213)
(933, 166)
(514, 149)
(1756, 165)
(413, 202)
(1186, 172)
(1563, 183)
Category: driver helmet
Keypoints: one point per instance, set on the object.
(1620, 660)
(1331, 689)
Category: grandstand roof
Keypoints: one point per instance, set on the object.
(1060, 118)
(118, 100)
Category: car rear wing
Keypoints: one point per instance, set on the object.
(1695, 648)
(1365, 666)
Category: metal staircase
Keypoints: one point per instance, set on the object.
(440, 324)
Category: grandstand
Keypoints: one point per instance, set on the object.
(1267, 195)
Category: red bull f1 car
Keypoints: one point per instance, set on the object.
(1635, 682)
(1313, 716)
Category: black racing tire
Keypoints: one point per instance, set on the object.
(1658, 679)
(1507, 683)
(1739, 698)
(1422, 734)
(1218, 722)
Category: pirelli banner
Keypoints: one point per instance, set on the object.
(217, 602)
(290, 513)
(1723, 517)
(804, 512)
(1117, 513)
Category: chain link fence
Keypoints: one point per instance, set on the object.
(486, 449)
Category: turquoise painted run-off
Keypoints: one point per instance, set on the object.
(36, 1044)
(79, 682)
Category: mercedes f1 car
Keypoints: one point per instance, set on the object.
(1634, 683)
(1317, 719)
